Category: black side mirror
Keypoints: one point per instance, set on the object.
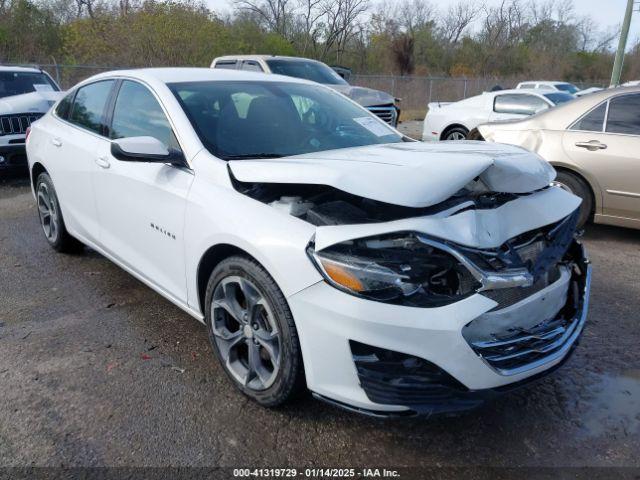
(146, 149)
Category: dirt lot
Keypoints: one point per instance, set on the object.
(97, 369)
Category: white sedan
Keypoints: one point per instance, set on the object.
(321, 248)
(454, 121)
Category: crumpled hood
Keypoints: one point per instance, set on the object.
(39, 102)
(367, 97)
(413, 174)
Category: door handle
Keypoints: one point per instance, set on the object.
(593, 145)
(103, 162)
(56, 142)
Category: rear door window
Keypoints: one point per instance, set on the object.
(593, 121)
(624, 115)
(89, 106)
(226, 64)
(64, 107)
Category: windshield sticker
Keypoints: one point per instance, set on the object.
(42, 87)
(373, 125)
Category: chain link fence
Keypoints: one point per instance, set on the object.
(415, 91)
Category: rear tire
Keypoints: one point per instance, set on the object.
(456, 134)
(576, 185)
(252, 332)
(51, 220)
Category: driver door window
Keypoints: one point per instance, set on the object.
(137, 113)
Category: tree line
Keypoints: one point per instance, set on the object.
(542, 39)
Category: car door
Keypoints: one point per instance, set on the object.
(72, 148)
(605, 144)
(142, 205)
(516, 105)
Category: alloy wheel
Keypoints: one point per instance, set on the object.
(48, 212)
(456, 136)
(245, 332)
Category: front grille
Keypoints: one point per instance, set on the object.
(388, 113)
(17, 124)
(512, 350)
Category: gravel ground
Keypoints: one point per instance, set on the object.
(98, 370)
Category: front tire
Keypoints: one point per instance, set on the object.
(576, 185)
(51, 219)
(252, 332)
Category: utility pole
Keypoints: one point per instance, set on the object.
(622, 45)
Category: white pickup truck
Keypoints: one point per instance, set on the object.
(26, 94)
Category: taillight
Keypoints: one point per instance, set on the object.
(26, 134)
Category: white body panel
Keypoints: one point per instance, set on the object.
(157, 221)
(469, 113)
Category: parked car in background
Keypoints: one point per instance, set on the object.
(454, 121)
(552, 86)
(25, 95)
(558, 87)
(594, 144)
(377, 102)
(321, 248)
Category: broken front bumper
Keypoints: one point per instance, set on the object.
(391, 360)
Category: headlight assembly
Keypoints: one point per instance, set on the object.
(397, 268)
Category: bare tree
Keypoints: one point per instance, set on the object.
(341, 23)
(457, 19)
(310, 15)
(415, 14)
(276, 14)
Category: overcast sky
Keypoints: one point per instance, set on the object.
(607, 12)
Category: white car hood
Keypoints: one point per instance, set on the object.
(410, 174)
(34, 102)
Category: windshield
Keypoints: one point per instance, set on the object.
(559, 97)
(275, 119)
(17, 83)
(314, 71)
(567, 87)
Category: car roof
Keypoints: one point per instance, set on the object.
(546, 82)
(518, 91)
(264, 57)
(9, 68)
(178, 74)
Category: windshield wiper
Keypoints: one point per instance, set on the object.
(252, 156)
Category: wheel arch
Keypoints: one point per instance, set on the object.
(36, 170)
(451, 127)
(596, 200)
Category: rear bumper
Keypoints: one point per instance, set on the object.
(13, 156)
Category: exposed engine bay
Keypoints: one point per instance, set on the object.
(323, 205)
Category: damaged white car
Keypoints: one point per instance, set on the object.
(322, 249)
